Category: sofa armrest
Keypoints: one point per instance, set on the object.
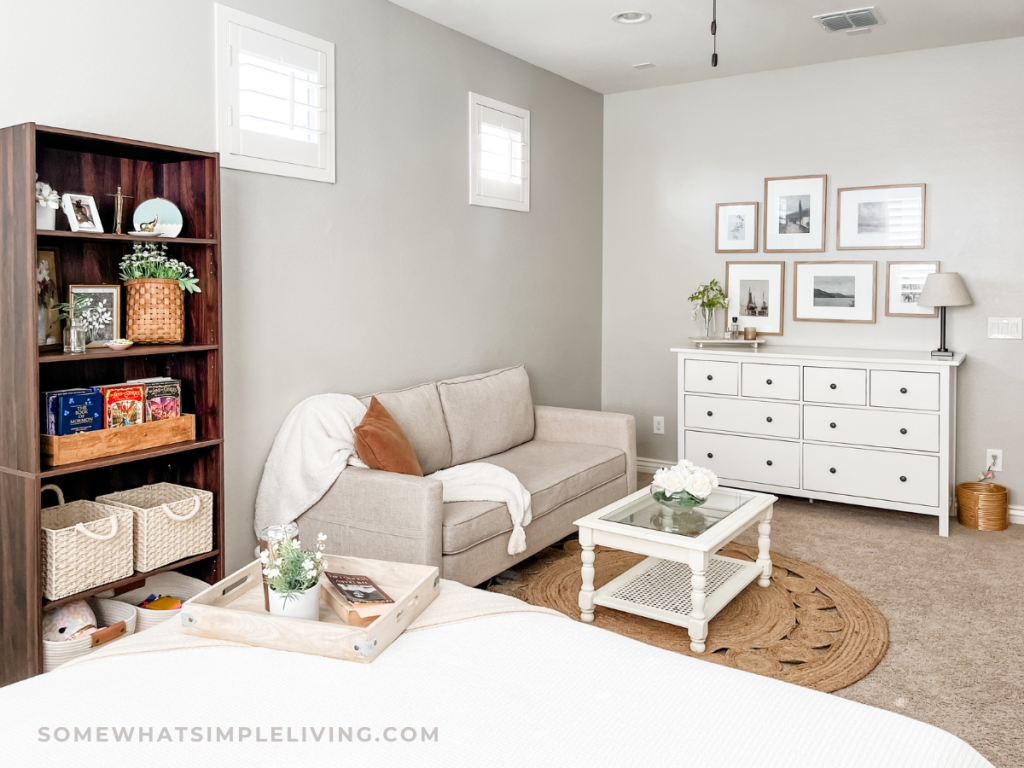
(571, 425)
(379, 515)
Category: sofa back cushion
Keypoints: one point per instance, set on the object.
(417, 410)
(487, 413)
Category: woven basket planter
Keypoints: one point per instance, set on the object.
(983, 506)
(172, 522)
(85, 544)
(156, 311)
(171, 584)
(108, 613)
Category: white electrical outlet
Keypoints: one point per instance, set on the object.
(1005, 328)
(994, 459)
(659, 425)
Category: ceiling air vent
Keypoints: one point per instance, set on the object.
(858, 18)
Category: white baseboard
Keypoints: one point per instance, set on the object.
(1017, 514)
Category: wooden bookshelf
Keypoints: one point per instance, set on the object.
(73, 161)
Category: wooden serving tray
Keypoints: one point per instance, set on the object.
(68, 449)
(233, 609)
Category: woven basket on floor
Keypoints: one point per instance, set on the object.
(983, 506)
(156, 311)
(85, 544)
(172, 522)
(171, 584)
(108, 613)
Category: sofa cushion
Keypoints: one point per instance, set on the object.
(553, 473)
(417, 410)
(382, 444)
(487, 413)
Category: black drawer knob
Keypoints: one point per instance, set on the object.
(903, 390)
(769, 419)
(903, 478)
(832, 470)
(711, 455)
(769, 462)
(710, 377)
(769, 382)
(710, 413)
(833, 425)
(903, 431)
(831, 386)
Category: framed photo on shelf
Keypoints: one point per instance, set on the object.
(99, 311)
(736, 228)
(757, 294)
(83, 216)
(794, 214)
(874, 218)
(834, 291)
(903, 283)
(46, 299)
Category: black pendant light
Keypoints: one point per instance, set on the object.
(714, 32)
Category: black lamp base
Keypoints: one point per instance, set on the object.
(942, 352)
(945, 353)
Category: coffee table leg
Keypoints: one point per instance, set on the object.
(698, 583)
(587, 591)
(764, 542)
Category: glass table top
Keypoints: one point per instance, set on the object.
(690, 522)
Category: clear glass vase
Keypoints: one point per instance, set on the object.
(74, 338)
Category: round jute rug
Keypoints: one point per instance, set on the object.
(807, 627)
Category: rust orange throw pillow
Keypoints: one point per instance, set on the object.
(382, 444)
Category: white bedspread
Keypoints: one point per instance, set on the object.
(521, 689)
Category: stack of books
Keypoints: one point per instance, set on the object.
(71, 411)
(356, 599)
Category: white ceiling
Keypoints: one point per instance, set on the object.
(578, 40)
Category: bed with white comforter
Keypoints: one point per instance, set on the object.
(478, 680)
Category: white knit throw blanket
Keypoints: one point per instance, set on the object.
(316, 443)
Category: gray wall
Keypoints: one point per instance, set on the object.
(948, 117)
(388, 277)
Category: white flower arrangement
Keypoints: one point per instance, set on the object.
(684, 478)
(290, 571)
(149, 260)
(46, 196)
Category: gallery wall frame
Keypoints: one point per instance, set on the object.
(795, 214)
(897, 302)
(773, 293)
(835, 291)
(885, 217)
(727, 236)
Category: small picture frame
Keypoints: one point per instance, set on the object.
(834, 291)
(889, 217)
(47, 293)
(903, 283)
(82, 213)
(736, 227)
(794, 214)
(757, 294)
(101, 317)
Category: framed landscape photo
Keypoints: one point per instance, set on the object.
(98, 309)
(834, 291)
(736, 229)
(794, 214)
(903, 283)
(889, 217)
(757, 294)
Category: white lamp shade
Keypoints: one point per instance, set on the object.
(944, 289)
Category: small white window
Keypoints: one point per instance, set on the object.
(499, 154)
(275, 98)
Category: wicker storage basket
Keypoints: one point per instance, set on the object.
(156, 311)
(171, 583)
(108, 613)
(85, 544)
(172, 522)
(983, 506)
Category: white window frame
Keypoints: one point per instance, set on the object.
(475, 197)
(227, 110)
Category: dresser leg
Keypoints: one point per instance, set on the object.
(764, 543)
(586, 600)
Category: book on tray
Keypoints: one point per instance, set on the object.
(356, 599)
(84, 409)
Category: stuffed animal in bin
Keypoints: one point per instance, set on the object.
(69, 622)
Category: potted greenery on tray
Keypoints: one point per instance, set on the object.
(706, 299)
(293, 578)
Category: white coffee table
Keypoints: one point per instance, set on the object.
(682, 581)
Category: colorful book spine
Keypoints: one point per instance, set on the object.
(163, 400)
(123, 405)
(79, 412)
(51, 406)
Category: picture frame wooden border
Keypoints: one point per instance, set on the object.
(839, 219)
(782, 291)
(114, 288)
(796, 292)
(55, 277)
(756, 228)
(888, 275)
(824, 213)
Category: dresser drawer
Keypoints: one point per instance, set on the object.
(779, 382)
(842, 386)
(711, 376)
(752, 416)
(750, 459)
(885, 429)
(903, 389)
(901, 477)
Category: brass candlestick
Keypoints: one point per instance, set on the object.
(118, 208)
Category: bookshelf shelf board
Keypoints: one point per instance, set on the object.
(138, 350)
(61, 234)
(125, 458)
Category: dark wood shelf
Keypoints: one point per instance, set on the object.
(136, 350)
(61, 234)
(137, 576)
(126, 458)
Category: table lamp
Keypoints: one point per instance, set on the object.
(943, 289)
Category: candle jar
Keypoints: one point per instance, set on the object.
(750, 334)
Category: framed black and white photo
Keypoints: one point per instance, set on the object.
(903, 283)
(834, 291)
(97, 308)
(873, 218)
(83, 216)
(736, 230)
(794, 214)
(757, 294)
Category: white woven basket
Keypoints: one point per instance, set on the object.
(172, 584)
(85, 544)
(172, 522)
(108, 613)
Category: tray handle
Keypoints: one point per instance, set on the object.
(55, 489)
(99, 536)
(196, 503)
(107, 634)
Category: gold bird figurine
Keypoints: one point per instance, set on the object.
(150, 226)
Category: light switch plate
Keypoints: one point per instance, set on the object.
(1004, 328)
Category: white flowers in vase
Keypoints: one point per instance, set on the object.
(676, 484)
(46, 196)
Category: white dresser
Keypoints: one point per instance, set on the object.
(876, 428)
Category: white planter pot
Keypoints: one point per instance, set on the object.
(302, 606)
(46, 217)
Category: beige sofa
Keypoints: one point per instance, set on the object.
(572, 462)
